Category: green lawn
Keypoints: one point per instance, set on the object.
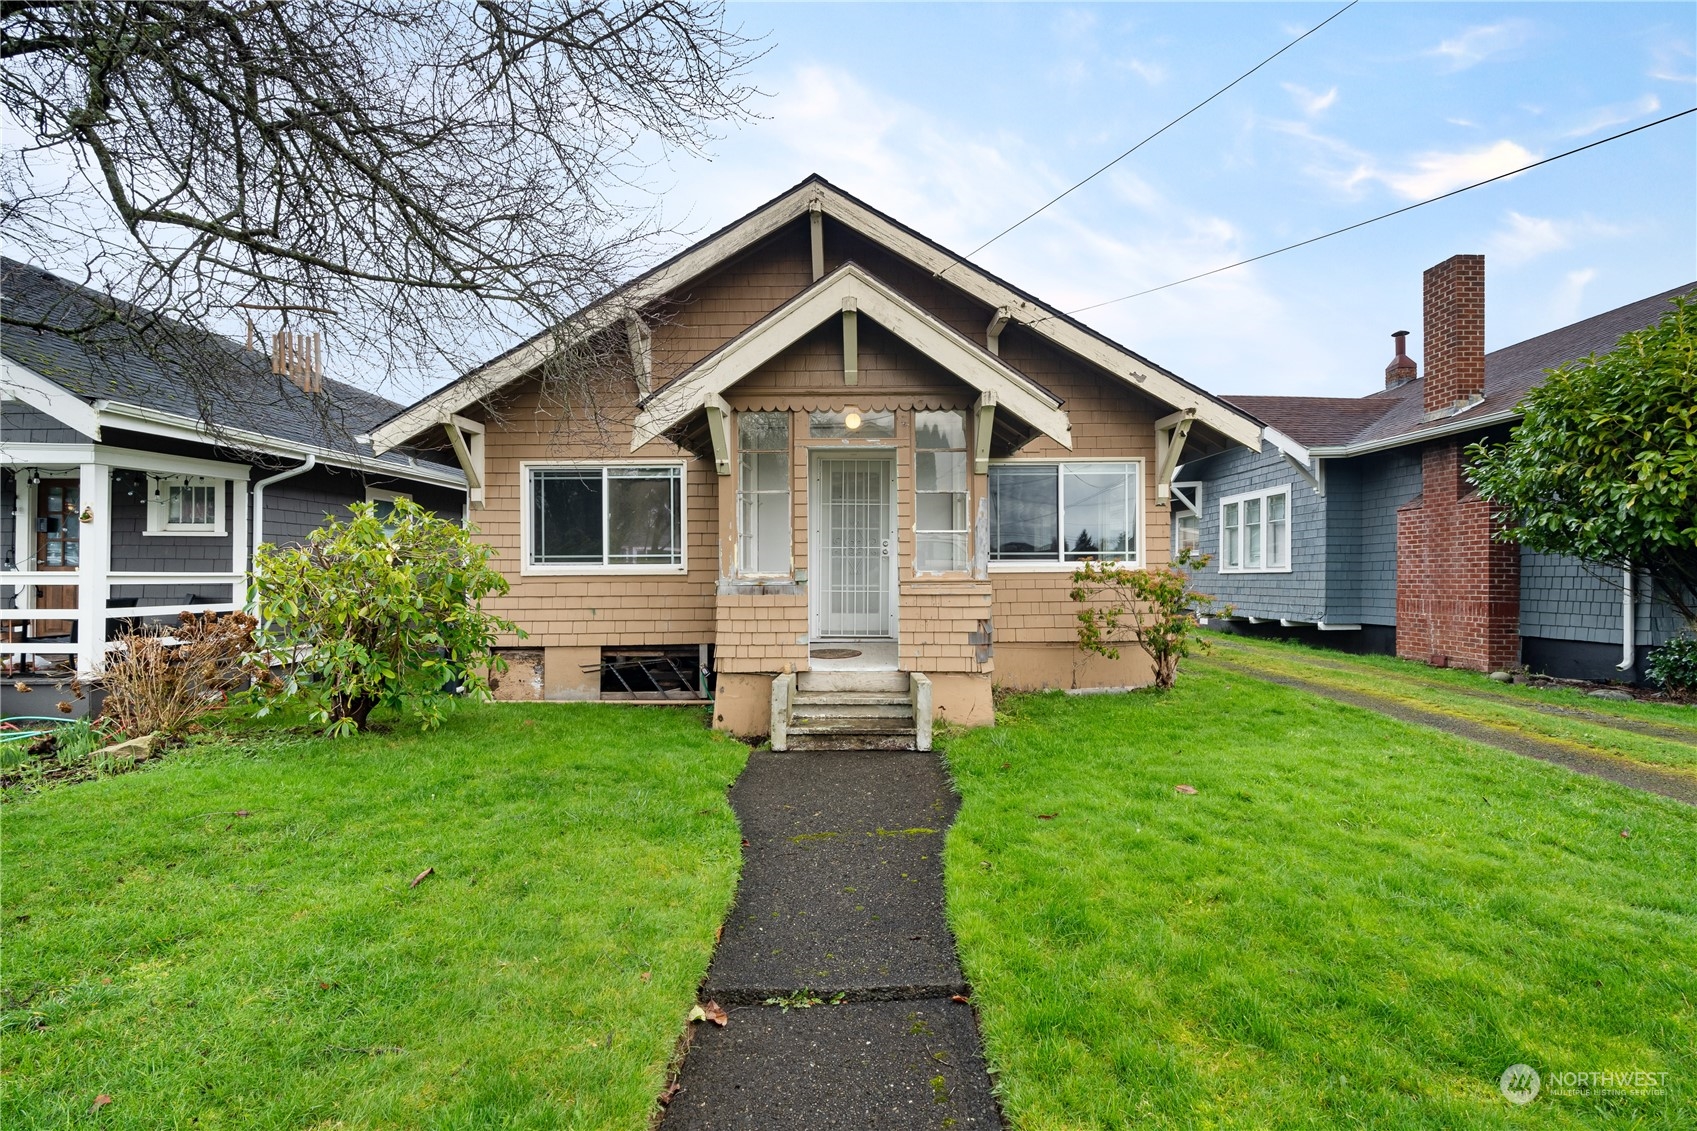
(1472, 696)
(1352, 923)
(228, 938)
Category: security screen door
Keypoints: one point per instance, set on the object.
(853, 504)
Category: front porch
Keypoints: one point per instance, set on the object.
(97, 540)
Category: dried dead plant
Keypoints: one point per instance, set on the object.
(164, 678)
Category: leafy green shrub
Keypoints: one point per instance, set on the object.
(1674, 665)
(1154, 606)
(378, 611)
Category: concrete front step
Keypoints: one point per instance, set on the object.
(851, 704)
(857, 725)
(890, 740)
(810, 682)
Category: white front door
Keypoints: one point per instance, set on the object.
(852, 505)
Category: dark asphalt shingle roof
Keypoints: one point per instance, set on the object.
(1510, 373)
(126, 355)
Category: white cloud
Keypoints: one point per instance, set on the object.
(1152, 73)
(1477, 44)
(1569, 298)
(1433, 174)
(959, 184)
(1671, 62)
(1618, 114)
(1525, 238)
(1309, 102)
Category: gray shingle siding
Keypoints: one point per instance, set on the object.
(296, 507)
(1362, 497)
(24, 424)
(1297, 595)
(1563, 598)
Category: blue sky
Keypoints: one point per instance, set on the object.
(960, 118)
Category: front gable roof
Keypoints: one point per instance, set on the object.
(815, 193)
(850, 287)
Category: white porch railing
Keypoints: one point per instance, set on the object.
(89, 638)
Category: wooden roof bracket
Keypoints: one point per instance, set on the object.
(468, 452)
(983, 421)
(1171, 431)
(641, 340)
(993, 332)
(851, 341)
(816, 236)
(719, 430)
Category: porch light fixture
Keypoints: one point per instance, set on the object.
(851, 419)
(34, 477)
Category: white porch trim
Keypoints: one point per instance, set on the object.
(826, 299)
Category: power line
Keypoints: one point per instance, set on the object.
(1384, 216)
(1049, 204)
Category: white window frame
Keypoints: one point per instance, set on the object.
(527, 511)
(1239, 500)
(965, 532)
(1062, 565)
(1187, 499)
(159, 510)
(743, 491)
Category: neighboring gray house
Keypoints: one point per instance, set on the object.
(1354, 527)
(125, 496)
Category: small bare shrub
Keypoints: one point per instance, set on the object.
(163, 679)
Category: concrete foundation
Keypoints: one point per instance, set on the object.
(522, 682)
(1036, 667)
(742, 704)
(962, 699)
(563, 677)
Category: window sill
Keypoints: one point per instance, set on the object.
(1253, 572)
(602, 571)
(183, 533)
(1054, 567)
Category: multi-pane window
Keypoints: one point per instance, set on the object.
(940, 522)
(763, 493)
(617, 516)
(1063, 512)
(1255, 532)
(186, 504)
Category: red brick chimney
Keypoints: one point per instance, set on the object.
(1455, 332)
(1402, 368)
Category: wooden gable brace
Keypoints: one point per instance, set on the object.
(1171, 431)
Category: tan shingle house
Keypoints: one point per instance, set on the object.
(839, 481)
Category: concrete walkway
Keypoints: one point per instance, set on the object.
(841, 893)
(1680, 786)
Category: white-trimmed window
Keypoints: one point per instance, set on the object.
(939, 480)
(1187, 517)
(384, 503)
(1255, 532)
(186, 504)
(597, 517)
(763, 493)
(1064, 512)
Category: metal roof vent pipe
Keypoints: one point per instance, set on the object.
(1402, 368)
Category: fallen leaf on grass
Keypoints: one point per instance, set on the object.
(712, 1011)
(1045, 816)
(421, 877)
(670, 1094)
(718, 933)
(1626, 834)
(1184, 789)
(100, 1101)
(243, 813)
(962, 998)
(646, 975)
